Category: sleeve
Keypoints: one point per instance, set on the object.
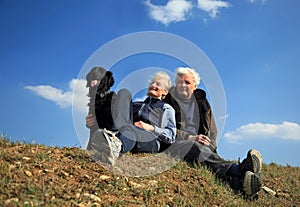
(166, 132)
(209, 125)
(212, 132)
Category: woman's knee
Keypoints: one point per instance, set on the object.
(124, 94)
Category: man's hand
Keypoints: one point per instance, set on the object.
(144, 125)
(90, 120)
(200, 138)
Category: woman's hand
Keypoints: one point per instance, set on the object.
(144, 125)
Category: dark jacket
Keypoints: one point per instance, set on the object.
(204, 116)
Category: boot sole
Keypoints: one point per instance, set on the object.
(256, 161)
(251, 183)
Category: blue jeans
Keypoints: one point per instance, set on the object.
(133, 138)
(134, 144)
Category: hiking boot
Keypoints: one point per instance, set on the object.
(251, 184)
(107, 146)
(253, 162)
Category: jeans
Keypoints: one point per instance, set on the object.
(133, 138)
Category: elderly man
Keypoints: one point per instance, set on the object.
(194, 117)
(196, 135)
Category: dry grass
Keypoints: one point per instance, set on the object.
(37, 175)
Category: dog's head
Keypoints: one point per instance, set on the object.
(97, 73)
(105, 78)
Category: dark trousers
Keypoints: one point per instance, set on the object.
(196, 153)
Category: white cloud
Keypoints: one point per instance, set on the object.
(286, 131)
(212, 7)
(224, 116)
(76, 91)
(180, 10)
(173, 11)
(80, 99)
(253, 1)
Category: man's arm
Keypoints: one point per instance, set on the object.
(212, 128)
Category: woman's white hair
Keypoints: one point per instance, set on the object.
(184, 71)
(166, 80)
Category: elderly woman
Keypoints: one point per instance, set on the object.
(152, 129)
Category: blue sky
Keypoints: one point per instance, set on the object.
(254, 46)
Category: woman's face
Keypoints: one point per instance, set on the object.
(185, 85)
(156, 89)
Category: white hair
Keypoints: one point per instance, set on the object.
(184, 71)
(166, 80)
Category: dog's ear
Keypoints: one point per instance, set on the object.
(110, 78)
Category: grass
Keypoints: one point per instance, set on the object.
(37, 175)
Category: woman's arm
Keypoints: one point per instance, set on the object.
(167, 131)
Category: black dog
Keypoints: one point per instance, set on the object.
(100, 99)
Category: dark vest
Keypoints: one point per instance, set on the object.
(148, 111)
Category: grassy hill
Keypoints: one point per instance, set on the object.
(37, 175)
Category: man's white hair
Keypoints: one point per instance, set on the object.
(186, 70)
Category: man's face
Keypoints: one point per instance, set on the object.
(185, 85)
